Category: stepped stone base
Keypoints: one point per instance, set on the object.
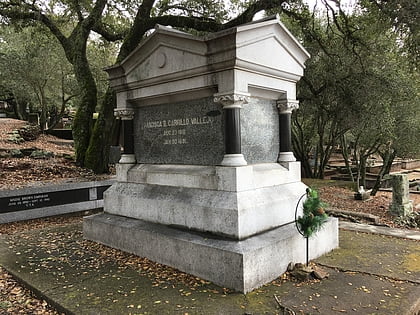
(241, 265)
(236, 202)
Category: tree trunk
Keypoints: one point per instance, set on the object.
(345, 154)
(362, 166)
(387, 158)
(43, 118)
(300, 149)
(82, 123)
(19, 108)
(97, 155)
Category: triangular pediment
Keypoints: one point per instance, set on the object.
(271, 53)
(268, 43)
(163, 60)
(163, 53)
(259, 54)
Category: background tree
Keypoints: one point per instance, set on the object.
(404, 17)
(33, 70)
(359, 86)
(326, 90)
(56, 17)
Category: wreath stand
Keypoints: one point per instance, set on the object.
(299, 230)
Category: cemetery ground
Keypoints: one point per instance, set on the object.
(364, 265)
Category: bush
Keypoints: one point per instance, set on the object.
(30, 132)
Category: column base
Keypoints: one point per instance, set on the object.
(233, 160)
(286, 157)
(127, 159)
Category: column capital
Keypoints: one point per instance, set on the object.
(286, 106)
(124, 113)
(232, 99)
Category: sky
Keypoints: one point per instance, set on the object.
(345, 4)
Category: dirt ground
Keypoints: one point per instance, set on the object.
(341, 198)
(26, 171)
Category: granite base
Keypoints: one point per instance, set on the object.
(239, 265)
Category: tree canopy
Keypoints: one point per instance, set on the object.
(33, 73)
(360, 91)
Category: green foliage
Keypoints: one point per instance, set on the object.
(203, 9)
(404, 17)
(33, 70)
(359, 87)
(314, 215)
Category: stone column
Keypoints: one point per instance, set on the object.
(232, 104)
(401, 204)
(286, 106)
(126, 115)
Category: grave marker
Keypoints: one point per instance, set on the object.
(401, 204)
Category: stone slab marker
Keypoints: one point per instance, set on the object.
(207, 182)
(401, 204)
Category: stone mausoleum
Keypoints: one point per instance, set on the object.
(208, 182)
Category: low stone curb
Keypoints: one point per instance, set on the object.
(358, 215)
(409, 234)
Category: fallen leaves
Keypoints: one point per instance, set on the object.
(16, 227)
(15, 299)
(24, 171)
(364, 289)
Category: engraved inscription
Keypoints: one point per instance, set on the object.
(174, 131)
(45, 199)
(29, 201)
(188, 132)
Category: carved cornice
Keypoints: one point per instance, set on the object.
(232, 99)
(124, 113)
(286, 106)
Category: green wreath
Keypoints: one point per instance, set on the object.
(314, 215)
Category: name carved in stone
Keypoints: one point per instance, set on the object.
(174, 131)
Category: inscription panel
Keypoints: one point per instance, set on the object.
(180, 133)
(47, 199)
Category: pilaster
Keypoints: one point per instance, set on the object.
(232, 103)
(126, 115)
(285, 107)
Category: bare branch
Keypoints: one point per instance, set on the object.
(25, 12)
(186, 22)
(103, 30)
(252, 9)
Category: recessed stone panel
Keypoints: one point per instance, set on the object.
(190, 132)
(260, 131)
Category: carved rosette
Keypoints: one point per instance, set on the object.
(286, 106)
(232, 100)
(124, 113)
